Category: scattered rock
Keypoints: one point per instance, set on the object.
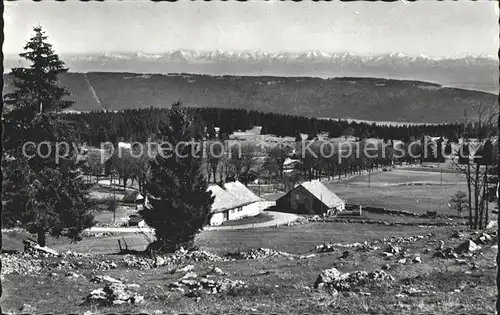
(467, 247)
(393, 249)
(190, 275)
(334, 279)
(186, 268)
(307, 256)
(101, 279)
(413, 292)
(160, 261)
(402, 261)
(257, 254)
(325, 248)
(207, 286)
(217, 271)
(114, 294)
(31, 246)
(483, 238)
(26, 308)
(21, 264)
(73, 275)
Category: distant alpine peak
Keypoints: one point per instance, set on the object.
(220, 55)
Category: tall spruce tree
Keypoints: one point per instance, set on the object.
(42, 193)
(180, 202)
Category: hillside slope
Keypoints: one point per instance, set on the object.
(359, 98)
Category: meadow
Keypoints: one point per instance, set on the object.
(409, 190)
(285, 285)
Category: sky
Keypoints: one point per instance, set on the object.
(431, 28)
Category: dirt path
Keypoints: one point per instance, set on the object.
(279, 218)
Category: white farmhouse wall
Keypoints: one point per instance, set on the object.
(250, 210)
(217, 218)
(341, 207)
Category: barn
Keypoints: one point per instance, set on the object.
(310, 198)
(232, 201)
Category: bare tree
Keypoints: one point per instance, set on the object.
(459, 202)
(213, 156)
(244, 160)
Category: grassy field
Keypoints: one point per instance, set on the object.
(294, 239)
(409, 190)
(301, 239)
(280, 285)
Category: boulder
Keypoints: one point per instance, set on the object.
(467, 247)
(26, 308)
(393, 249)
(190, 275)
(417, 260)
(327, 276)
(217, 271)
(483, 238)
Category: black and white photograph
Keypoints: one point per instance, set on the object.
(250, 157)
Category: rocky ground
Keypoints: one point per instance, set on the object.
(450, 272)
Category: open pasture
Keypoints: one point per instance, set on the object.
(406, 177)
(407, 190)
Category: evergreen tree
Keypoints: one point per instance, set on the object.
(42, 193)
(180, 202)
(36, 86)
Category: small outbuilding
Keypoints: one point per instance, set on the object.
(310, 198)
(133, 197)
(136, 220)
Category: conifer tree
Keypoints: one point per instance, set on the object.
(42, 193)
(180, 202)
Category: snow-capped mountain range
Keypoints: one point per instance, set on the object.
(470, 72)
(259, 56)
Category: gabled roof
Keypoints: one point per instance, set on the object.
(322, 193)
(289, 161)
(233, 195)
(132, 196)
(135, 219)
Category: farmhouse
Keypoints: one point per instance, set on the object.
(310, 198)
(290, 165)
(133, 197)
(233, 201)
